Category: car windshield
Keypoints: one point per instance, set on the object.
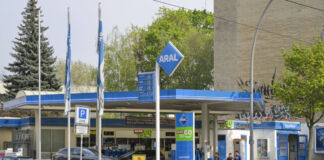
(63, 151)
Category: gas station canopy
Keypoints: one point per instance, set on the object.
(172, 101)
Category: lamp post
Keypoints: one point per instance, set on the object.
(251, 141)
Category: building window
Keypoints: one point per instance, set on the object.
(196, 134)
(52, 140)
(109, 133)
(169, 134)
(262, 148)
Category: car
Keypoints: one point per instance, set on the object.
(87, 154)
(150, 155)
(14, 158)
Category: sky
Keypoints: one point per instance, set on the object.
(84, 23)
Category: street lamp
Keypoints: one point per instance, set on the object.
(251, 141)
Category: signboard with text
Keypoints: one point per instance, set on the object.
(146, 87)
(82, 120)
(170, 58)
(139, 157)
(185, 136)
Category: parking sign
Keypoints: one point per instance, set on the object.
(82, 115)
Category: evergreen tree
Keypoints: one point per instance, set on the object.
(24, 70)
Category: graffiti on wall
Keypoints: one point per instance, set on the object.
(273, 112)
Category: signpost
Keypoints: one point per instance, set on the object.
(82, 122)
(169, 60)
(185, 136)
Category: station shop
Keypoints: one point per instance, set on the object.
(273, 140)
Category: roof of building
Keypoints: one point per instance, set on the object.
(172, 101)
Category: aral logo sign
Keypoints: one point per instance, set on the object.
(183, 119)
(170, 58)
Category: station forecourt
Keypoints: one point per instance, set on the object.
(128, 131)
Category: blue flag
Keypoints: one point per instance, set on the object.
(100, 78)
(67, 95)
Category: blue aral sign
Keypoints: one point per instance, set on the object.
(170, 58)
(146, 87)
(185, 136)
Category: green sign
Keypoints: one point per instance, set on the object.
(146, 134)
(184, 134)
(228, 124)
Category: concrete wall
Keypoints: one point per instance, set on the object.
(284, 24)
(6, 136)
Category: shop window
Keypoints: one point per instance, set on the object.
(52, 140)
(169, 134)
(262, 148)
(85, 141)
(221, 137)
(108, 141)
(168, 143)
(121, 141)
(109, 133)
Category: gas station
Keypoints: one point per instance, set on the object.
(171, 101)
(207, 103)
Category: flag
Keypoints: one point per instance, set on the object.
(67, 95)
(100, 78)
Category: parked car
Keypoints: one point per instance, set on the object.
(87, 154)
(150, 155)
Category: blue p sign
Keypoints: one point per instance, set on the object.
(83, 113)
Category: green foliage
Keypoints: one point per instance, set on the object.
(24, 70)
(81, 74)
(302, 85)
(192, 33)
(120, 70)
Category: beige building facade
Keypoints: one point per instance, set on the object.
(284, 24)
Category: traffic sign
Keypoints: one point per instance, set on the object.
(170, 58)
(84, 130)
(82, 115)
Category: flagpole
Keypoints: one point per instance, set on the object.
(101, 82)
(39, 91)
(69, 102)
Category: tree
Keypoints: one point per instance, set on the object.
(24, 70)
(192, 33)
(120, 69)
(82, 74)
(302, 84)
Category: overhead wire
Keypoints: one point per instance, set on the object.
(305, 5)
(251, 26)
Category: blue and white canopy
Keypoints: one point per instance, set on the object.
(172, 101)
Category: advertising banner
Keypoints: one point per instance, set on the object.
(319, 140)
(185, 136)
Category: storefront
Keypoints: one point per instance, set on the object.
(273, 140)
(117, 134)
